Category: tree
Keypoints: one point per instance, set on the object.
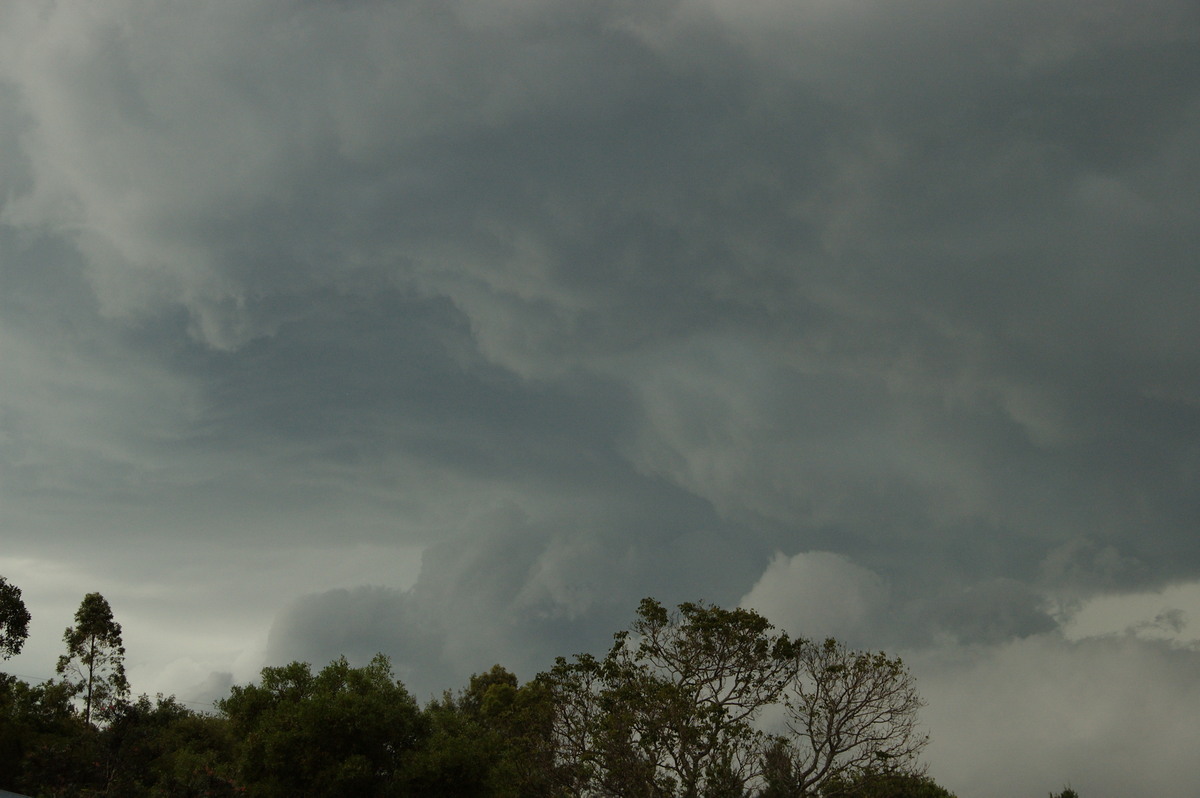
(489, 741)
(874, 784)
(848, 714)
(95, 660)
(161, 748)
(14, 620)
(697, 681)
(671, 709)
(574, 690)
(676, 710)
(45, 747)
(341, 732)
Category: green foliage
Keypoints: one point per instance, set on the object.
(165, 749)
(341, 732)
(882, 784)
(44, 746)
(671, 711)
(14, 620)
(95, 658)
(492, 740)
(145, 751)
(456, 758)
(1066, 793)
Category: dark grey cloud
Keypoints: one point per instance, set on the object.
(453, 329)
(357, 623)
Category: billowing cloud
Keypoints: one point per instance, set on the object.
(818, 595)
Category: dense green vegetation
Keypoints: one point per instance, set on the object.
(672, 709)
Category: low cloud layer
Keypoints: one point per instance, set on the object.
(1105, 716)
(454, 329)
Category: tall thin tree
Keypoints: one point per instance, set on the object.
(95, 658)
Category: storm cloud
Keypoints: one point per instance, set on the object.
(452, 329)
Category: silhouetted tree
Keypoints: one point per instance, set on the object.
(672, 709)
(882, 784)
(95, 660)
(848, 713)
(14, 619)
(690, 685)
(675, 709)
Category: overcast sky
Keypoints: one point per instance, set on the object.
(452, 328)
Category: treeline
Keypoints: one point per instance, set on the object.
(699, 702)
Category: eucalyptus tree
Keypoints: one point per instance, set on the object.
(94, 665)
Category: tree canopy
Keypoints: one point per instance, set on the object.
(674, 709)
(694, 702)
(14, 620)
(343, 731)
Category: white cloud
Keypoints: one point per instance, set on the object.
(1112, 717)
(818, 594)
(1172, 614)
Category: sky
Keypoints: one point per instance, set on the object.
(450, 329)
